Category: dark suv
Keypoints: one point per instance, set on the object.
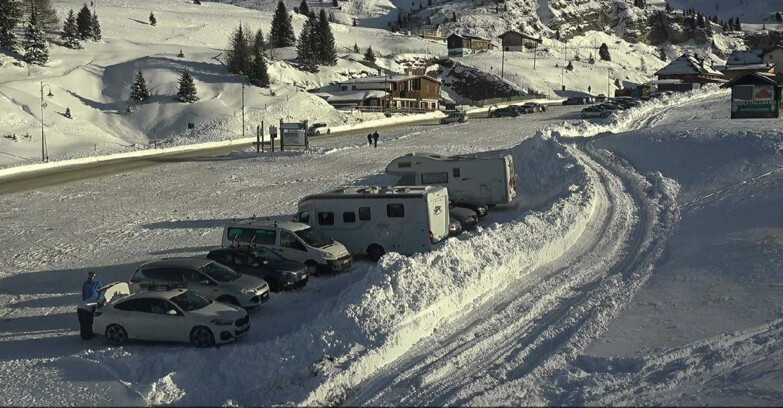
(279, 272)
(507, 111)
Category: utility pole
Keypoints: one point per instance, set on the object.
(503, 62)
(44, 151)
(535, 53)
(608, 74)
(243, 110)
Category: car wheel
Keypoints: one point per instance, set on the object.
(116, 335)
(584, 116)
(462, 121)
(375, 252)
(312, 268)
(328, 131)
(228, 299)
(202, 337)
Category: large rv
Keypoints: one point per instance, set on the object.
(377, 220)
(470, 179)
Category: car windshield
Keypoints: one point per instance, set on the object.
(219, 272)
(188, 301)
(314, 238)
(263, 254)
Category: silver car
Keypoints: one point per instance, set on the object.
(458, 117)
(205, 277)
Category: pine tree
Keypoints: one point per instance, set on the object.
(700, 21)
(303, 9)
(356, 49)
(187, 88)
(328, 54)
(95, 28)
(335, 4)
(139, 90)
(668, 7)
(779, 16)
(282, 33)
(570, 66)
(305, 51)
(153, 20)
(258, 45)
(238, 54)
(737, 25)
(10, 15)
(70, 35)
(84, 23)
(369, 55)
(603, 52)
(46, 14)
(35, 46)
(197, 2)
(259, 74)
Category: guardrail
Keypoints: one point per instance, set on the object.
(382, 109)
(493, 101)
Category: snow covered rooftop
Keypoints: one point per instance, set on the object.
(379, 79)
(687, 64)
(354, 96)
(664, 82)
(760, 66)
(747, 57)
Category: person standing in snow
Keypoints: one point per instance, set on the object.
(375, 137)
(369, 139)
(589, 89)
(91, 295)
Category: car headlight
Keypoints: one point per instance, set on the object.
(290, 273)
(222, 322)
(326, 255)
(247, 291)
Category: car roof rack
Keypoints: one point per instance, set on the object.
(162, 286)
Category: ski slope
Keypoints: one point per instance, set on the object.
(607, 281)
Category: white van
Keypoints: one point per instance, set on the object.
(292, 240)
(470, 179)
(376, 220)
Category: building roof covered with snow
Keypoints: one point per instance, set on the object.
(747, 57)
(690, 70)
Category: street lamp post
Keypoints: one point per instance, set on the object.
(243, 110)
(44, 152)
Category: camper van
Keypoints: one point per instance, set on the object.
(470, 179)
(376, 220)
(291, 240)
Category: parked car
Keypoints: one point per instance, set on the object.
(205, 277)
(481, 210)
(525, 109)
(319, 128)
(600, 98)
(164, 313)
(597, 111)
(277, 271)
(294, 241)
(537, 107)
(626, 102)
(507, 111)
(455, 227)
(575, 100)
(460, 117)
(611, 106)
(466, 217)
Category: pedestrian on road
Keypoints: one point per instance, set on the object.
(369, 139)
(91, 295)
(589, 89)
(375, 137)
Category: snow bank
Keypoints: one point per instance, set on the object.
(645, 115)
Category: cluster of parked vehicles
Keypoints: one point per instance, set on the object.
(516, 110)
(202, 300)
(608, 107)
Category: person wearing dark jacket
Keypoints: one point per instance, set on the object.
(375, 138)
(91, 294)
(369, 139)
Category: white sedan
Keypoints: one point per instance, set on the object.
(178, 315)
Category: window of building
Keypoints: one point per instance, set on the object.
(325, 218)
(395, 210)
(349, 217)
(434, 178)
(364, 213)
(455, 172)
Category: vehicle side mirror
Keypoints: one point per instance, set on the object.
(171, 312)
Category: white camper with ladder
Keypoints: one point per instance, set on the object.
(377, 220)
(471, 179)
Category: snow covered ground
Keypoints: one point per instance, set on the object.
(637, 266)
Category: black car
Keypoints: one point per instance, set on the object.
(481, 210)
(465, 216)
(575, 100)
(279, 272)
(507, 111)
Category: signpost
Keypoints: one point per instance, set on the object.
(293, 134)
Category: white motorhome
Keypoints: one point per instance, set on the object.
(292, 240)
(376, 220)
(470, 179)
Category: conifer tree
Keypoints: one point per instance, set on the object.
(70, 35)
(779, 16)
(369, 55)
(139, 90)
(258, 45)
(259, 73)
(35, 46)
(356, 48)
(187, 88)
(95, 28)
(603, 52)
(67, 113)
(197, 2)
(84, 23)
(153, 20)
(570, 66)
(303, 9)
(238, 54)
(282, 32)
(328, 52)
(46, 14)
(10, 15)
(737, 24)
(306, 52)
